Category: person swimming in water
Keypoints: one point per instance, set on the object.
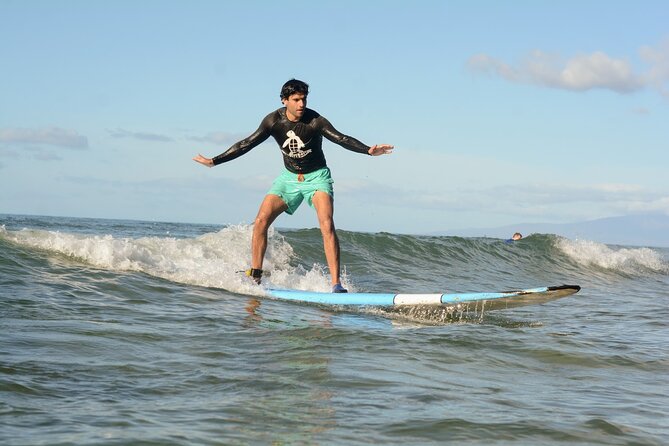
(299, 133)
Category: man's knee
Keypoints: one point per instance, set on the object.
(270, 208)
(262, 222)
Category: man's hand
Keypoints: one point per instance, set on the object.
(205, 161)
(380, 149)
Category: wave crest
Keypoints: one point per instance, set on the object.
(624, 260)
(210, 260)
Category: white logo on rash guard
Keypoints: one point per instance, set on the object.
(295, 146)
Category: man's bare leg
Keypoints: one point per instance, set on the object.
(324, 206)
(271, 207)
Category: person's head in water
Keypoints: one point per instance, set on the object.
(294, 97)
(517, 236)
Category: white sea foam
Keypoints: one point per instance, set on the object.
(626, 260)
(211, 260)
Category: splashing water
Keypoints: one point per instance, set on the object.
(209, 260)
(625, 260)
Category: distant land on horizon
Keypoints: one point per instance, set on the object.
(651, 230)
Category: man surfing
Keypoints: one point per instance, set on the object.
(299, 132)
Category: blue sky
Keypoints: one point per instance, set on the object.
(501, 112)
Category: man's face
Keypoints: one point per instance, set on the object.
(295, 105)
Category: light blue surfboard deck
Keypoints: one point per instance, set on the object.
(492, 301)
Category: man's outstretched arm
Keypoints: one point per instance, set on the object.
(351, 143)
(239, 148)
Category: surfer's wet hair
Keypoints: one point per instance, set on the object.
(294, 86)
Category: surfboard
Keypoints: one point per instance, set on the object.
(491, 300)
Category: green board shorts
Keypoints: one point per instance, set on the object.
(293, 192)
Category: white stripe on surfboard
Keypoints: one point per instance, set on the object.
(417, 299)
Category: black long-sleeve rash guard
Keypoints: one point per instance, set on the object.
(300, 142)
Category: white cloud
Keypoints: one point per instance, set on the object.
(220, 138)
(52, 136)
(144, 136)
(47, 155)
(595, 195)
(617, 188)
(548, 202)
(582, 72)
(658, 59)
(6, 152)
(658, 204)
(642, 111)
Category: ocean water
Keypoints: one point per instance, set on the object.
(144, 333)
